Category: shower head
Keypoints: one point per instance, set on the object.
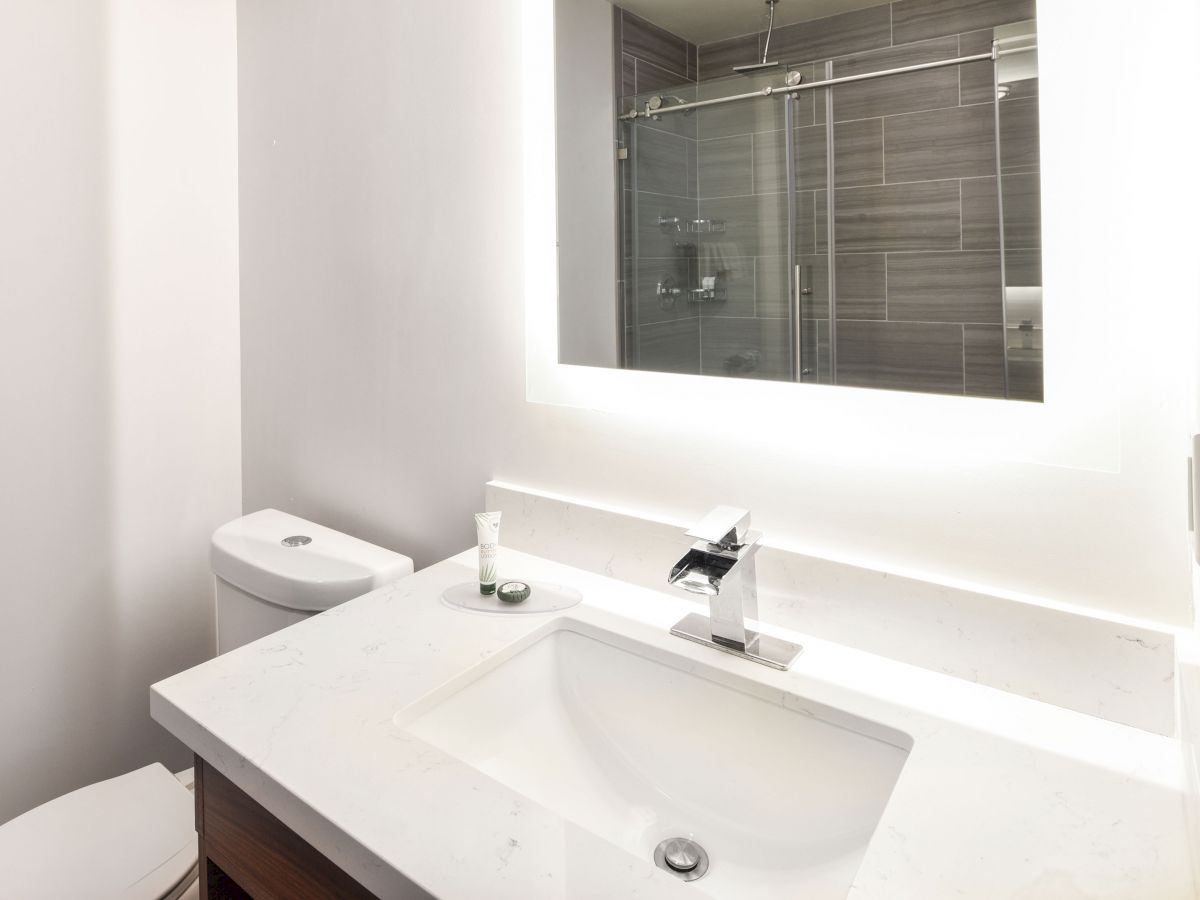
(755, 68)
(762, 65)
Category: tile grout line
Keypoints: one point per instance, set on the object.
(782, 256)
(850, 187)
(822, 125)
(882, 145)
(752, 152)
(754, 278)
(958, 72)
(964, 358)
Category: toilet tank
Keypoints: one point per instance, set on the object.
(272, 570)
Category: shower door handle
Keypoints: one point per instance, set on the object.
(798, 319)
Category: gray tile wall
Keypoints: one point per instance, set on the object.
(917, 209)
(652, 58)
(917, 221)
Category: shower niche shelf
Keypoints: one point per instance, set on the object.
(706, 295)
(676, 225)
(706, 226)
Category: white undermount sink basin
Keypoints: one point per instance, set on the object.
(639, 745)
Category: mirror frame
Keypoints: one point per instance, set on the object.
(1077, 426)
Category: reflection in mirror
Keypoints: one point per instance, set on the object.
(898, 247)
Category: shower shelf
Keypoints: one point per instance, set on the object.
(676, 225)
(706, 295)
(706, 226)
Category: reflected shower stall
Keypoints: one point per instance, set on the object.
(869, 219)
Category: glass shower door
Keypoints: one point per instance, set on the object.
(810, 275)
(719, 218)
(1018, 172)
(882, 231)
(742, 256)
(658, 209)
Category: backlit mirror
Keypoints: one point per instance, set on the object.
(817, 191)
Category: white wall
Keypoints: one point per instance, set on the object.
(1194, 34)
(118, 372)
(380, 155)
(383, 319)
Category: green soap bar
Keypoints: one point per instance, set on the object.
(513, 592)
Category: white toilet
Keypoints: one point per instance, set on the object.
(273, 570)
(133, 837)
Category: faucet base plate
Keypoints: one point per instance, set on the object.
(760, 648)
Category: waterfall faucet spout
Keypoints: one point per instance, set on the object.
(720, 566)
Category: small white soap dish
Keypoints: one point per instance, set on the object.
(543, 598)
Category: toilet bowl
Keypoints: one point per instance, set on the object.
(133, 837)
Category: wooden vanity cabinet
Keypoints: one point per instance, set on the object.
(247, 852)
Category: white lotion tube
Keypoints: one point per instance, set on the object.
(487, 527)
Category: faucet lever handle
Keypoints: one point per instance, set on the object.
(724, 525)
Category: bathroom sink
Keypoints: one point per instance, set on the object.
(639, 746)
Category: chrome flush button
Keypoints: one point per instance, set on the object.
(296, 540)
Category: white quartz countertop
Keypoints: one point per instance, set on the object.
(1002, 796)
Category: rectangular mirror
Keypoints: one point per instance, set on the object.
(817, 191)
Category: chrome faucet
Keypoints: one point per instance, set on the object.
(720, 566)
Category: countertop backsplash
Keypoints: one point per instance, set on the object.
(1115, 670)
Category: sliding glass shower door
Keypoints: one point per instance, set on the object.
(719, 219)
(880, 232)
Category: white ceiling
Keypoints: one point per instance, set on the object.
(701, 21)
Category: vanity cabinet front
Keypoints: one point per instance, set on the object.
(245, 851)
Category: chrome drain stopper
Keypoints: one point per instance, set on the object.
(681, 857)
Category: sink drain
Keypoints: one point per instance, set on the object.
(681, 857)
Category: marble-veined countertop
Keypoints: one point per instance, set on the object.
(1001, 797)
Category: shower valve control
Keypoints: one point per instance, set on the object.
(667, 292)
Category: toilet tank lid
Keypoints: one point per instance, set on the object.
(253, 553)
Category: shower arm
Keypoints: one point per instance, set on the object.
(770, 29)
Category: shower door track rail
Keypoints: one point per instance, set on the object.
(770, 90)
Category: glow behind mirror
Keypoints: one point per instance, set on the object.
(1077, 426)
